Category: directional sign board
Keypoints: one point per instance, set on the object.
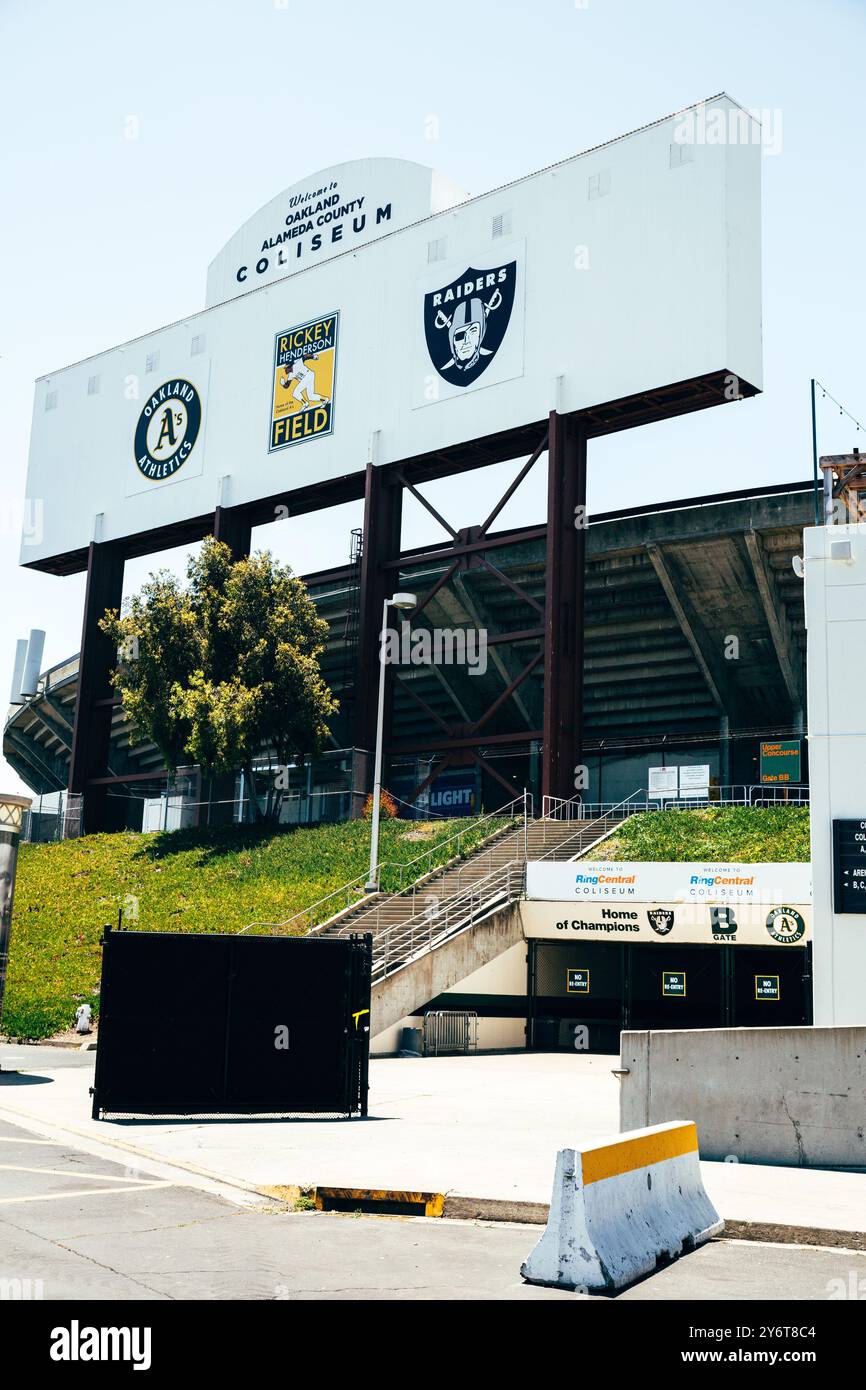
(780, 761)
(849, 866)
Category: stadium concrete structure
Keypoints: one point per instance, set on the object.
(665, 586)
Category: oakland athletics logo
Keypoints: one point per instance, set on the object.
(785, 925)
(167, 429)
(465, 322)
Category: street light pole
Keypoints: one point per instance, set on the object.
(404, 602)
(12, 810)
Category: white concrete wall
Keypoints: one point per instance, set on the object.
(836, 674)
(494, 1035)
(759, 1095)
(506, 974)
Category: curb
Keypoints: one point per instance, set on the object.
(385, 1201)
(435, 1205)
(774, 1234)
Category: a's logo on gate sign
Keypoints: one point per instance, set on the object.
(304, 377)
(785, 925)
(661, 919)
(167, 429)
(466, 321)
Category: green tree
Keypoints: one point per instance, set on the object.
(225, 667)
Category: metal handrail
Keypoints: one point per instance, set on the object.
(506, 812)
(397, 945)
(356, 885)
(727, 794)
(614, 813)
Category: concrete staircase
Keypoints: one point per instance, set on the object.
(447, 901)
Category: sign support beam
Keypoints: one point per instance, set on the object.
(92, 732)
(564, 607)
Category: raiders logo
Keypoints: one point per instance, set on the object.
(661, 919)
(466, 321)
(723, 921)
(785, 925)
(167, 429)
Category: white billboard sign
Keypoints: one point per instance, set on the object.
(335, 210)
(610, 275)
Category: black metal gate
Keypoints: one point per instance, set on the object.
(197, 1024)
(582, 994)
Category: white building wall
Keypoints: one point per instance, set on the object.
(836, 676)
(504, 975)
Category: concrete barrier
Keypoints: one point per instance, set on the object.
(760, 1095)
(622, 1207)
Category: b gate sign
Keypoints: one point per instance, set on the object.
(373, 312)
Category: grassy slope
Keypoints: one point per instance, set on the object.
(737, 834)
(186, 881)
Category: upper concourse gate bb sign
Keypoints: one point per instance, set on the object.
(374, 312)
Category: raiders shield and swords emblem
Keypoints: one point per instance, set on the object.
(661, 919)
(466, 321)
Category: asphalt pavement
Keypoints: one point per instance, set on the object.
(78, 1226)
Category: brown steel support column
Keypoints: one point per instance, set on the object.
(383, 505)
(92, 731)
(232, 526)
(563, 612)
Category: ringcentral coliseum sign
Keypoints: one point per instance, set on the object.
(622, 881)
(602, 279)
(697, 904)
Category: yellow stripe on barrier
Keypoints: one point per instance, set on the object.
(608, 1160)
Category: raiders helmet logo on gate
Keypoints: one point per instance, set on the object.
(466, 321)
(661, 919)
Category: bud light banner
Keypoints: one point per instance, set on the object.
(452, 794)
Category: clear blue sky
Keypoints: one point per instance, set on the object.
(103, 238)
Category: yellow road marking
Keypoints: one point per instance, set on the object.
(609, 1160)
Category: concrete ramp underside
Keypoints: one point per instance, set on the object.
(402, 994)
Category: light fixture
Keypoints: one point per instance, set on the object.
(403, 602)
(12, 810)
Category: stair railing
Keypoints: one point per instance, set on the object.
(617, 812)
(399, 943)
(352, 894)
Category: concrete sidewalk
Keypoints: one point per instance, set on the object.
(481, 1128)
